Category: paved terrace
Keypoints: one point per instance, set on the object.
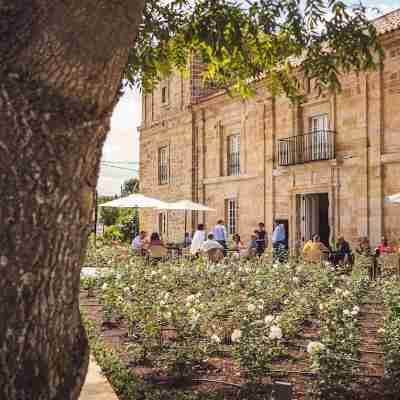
(96, 386)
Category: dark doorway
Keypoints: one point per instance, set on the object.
(324, 229)
(313, 217)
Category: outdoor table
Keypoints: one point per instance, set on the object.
(174, 250)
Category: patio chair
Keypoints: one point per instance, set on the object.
(215, 255)
(157, 253)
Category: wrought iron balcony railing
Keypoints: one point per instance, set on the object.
(313, 146)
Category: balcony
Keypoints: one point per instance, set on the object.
(313, 146)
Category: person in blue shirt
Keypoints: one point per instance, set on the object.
(279, 242)
(220, 235)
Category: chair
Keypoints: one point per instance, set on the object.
(157, 253)
(215, 255)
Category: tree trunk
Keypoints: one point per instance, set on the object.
(60, 74)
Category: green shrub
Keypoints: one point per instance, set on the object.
(113, 233)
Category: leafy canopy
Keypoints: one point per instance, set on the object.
(281, 41)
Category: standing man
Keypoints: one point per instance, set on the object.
(262, 239)
(220, 234)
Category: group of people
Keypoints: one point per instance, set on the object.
(217, 241)
(216, 245)
(315, 251)
(142, 245)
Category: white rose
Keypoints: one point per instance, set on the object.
(275, 332)
(269, 319)
(251, 307)
(215, 339)
(315, 347)
(355, 310)
(190, 298)
(236, 335)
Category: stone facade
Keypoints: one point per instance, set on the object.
(353, 163)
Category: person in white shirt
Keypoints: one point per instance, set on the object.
(220, 235)
(210, 243)
(199, 238)
(139, 243)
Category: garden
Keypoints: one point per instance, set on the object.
(187, 329)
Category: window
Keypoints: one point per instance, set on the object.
(319, 123)
(165, 94)
(163, 224)
(231, 213)
(320, 136)
(234, 155)
(163, 165)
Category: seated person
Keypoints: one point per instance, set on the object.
(314, 250)
(155, 240)
(139, 242)
(156, 248)
(237, 243)
(212, 249)
(210, 243)
(344, 254)
(384, 247)
(251, 249)
(363, 247)
(199, 238)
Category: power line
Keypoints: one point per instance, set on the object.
(121, 162)
(114, 166)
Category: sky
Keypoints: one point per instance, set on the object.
(122, 145)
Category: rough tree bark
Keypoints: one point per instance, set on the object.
(61, 64)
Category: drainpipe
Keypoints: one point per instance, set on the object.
(264, 162)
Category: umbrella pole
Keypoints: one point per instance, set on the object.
(184, 234)
(95, 217)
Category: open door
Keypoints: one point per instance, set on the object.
(312, 217)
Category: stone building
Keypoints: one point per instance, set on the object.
(324, 166)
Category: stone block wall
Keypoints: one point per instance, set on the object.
(365, 116)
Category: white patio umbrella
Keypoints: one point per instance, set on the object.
(186, 205)
(394, 198)
(135, 201)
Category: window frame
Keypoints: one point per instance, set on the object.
(163, 224)
(163, 165)
(231, 211)
(233, 167)
(165, 93)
